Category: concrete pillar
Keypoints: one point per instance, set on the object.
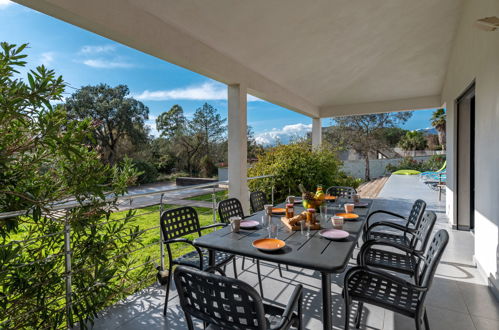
(237, 153)
(316, 133)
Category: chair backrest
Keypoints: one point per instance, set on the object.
(221, 301)
(341, 191)
(257, 200)
(230, 208)
(416, 213)
(179, 222)
(428, 266)
(422, 234)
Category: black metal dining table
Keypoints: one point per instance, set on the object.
(310, 252)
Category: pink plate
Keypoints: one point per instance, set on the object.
(334, 234)
(248, 224)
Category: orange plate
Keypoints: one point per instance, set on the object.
(348, 215)
(269, 244)
(278, 210)
(330, 198)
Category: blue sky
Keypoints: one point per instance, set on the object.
(84, 58)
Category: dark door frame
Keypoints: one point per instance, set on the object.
(469, 93)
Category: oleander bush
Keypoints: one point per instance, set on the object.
(297, 163)
(45, 161)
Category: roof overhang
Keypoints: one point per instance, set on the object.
(321, 59)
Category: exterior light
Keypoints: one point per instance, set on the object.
(487, 24)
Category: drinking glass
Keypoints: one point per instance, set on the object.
(323, 212)
(266, 219)
(273, 230)
(302, 226)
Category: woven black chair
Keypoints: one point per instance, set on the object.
(177, 223)
(338, 191)
(377, 287)
(226, 303)
(257, 201)
(411, 222)
(408, 257)
(232, 208)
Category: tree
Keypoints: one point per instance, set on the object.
(210, 124)
(183, 141)
(45, 159)
(115, 115)
(413, 140)
(438, 120)
(254, 148)
(172, 122)
(193, 141)
(363, 133)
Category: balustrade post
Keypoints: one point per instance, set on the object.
(161, 238)
(214, 205)
(68, 270)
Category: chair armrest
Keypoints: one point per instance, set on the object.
(380, 242)
(380, 274)
(214, 226)
(383, 212)
(387, 224)
(293, 302)
(187, 241)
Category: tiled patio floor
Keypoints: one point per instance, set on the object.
(459, 298)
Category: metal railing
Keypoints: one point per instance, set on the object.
(125, 203)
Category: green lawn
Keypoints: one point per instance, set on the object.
(221, 195)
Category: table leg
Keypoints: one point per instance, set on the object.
(211, 258)
(326, 301)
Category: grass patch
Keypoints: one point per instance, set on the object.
(220, 195)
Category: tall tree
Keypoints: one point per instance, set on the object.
(172, 122)
(208, 122)
(413, 140)
(438, 120)
(364, 133)
(116, 115)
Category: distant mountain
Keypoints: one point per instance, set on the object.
(427, 131)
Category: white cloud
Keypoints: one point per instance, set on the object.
(5, 3)
(107, 64)
(47, 57)
(206, 91)
(283, 135)
(97, 49)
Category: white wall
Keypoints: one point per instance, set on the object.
(475, 56)
(377, 167)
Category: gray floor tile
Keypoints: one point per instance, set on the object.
(482, 323)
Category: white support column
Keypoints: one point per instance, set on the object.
(238, 168)
(316, 133)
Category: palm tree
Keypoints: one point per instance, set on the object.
(438, 120)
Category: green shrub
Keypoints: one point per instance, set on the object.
(434, 163)
(293, 164)
(148, 172)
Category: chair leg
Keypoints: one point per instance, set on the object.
(188, 320)
(235, 269)
(426, 322)
(168, 290)
(418, 323)
(347, 314)
(280, 270)
(300, 313)
(358, 315)
(242, 266)
(287, 268)
(259, 277)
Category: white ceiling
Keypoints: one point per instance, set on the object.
(312, 56)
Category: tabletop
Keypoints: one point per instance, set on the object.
(313, 252)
